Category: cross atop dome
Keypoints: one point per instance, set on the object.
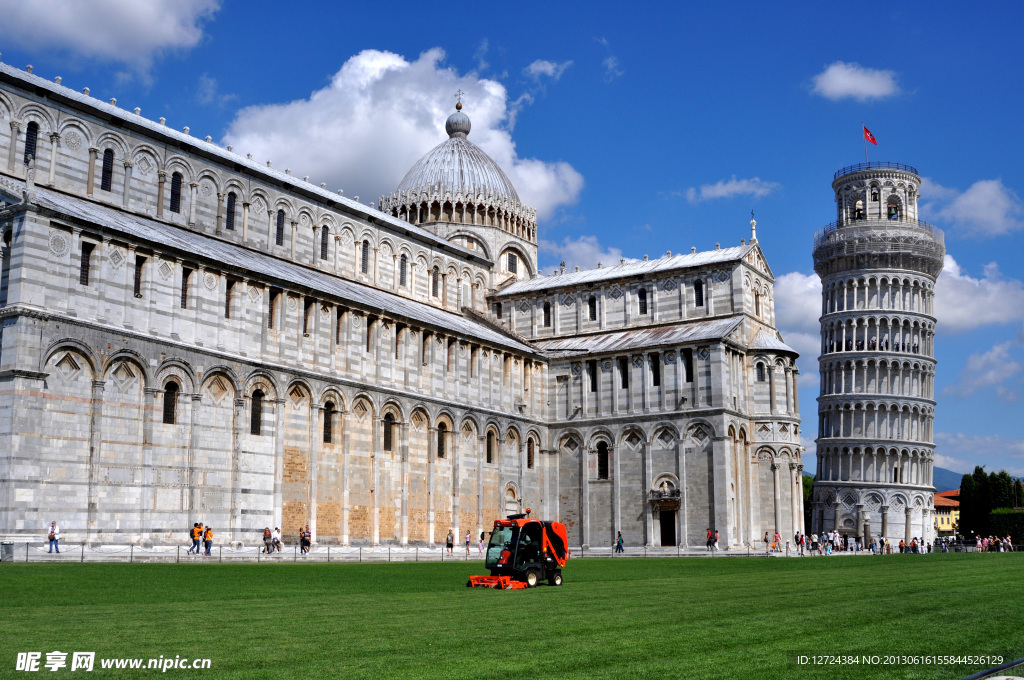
(459, 94)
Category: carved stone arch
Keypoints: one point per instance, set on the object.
(393, 407)
(182, 165)
(451, 271)
(469, 421)
(367, 235)
(386, 246)
(6, 106)
(632, 437)
(521, 254)
(666, 436)
(37, 113)
(180, 369)
(535, 436)
(665, 482)
(329, 219)
(698, 426)
(285, 204)
(598, 435)
(447, 417)
(363, 407)
(76, 346)
(112, 139)
(132, 357)
(512, 433)
(765, 454)
(264, 381)
(333, 395)
(571, 441)
(233, 184)
(79, 128)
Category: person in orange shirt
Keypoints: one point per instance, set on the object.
(196, 534)
(208, 540)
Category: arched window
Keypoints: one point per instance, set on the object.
(186, 274)
(171, 390)
(176, 192)
(435, 276)
(403, 267)
(256, 414)
(874, 193)
(442, 429)
(760, 372)
(698, 293)
(364, 261)
(513, 263)
(31, 139)
(858, 210)
(229, 221)
(279, 236)
(893, 209)
(757, 303)
(328, 422)
(490, 447)
(389, 424)
(641, 297)
(592, 307)
(547, 314)
(529, 454)
(602, 460)
(107, 174)
(325, 235)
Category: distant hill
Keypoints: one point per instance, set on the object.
(945, 480)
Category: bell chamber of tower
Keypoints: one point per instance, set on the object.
(878, 264)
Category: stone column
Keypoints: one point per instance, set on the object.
(455, 482)
(885, 521)
(405, 483)
(95, 446)
(146, 505)
(377, 445)
(776, 475)
(648, 482)
(294, 235)
(54, 138)
(12, 153)
(345, 472)
(794, 486)
(861, 520)
(245, 233)
(128, 165)
(219, 225)
(838, 508)
(431, 463)
(907, 526)
(161, 180)
(613, 451)
(90, 183)
(480, 479)
(271, 229)
(279, 461)
(315, 420)
(238, 423)
(584, 497)
(192, 205)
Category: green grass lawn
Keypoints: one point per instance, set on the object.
(625, 618)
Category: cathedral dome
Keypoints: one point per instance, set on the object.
(457, 166)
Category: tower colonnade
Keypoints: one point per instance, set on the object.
(878, 265)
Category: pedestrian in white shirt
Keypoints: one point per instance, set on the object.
(277, 540)
(54, 537)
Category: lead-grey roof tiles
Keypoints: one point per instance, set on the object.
(693, 331)
(626, 270)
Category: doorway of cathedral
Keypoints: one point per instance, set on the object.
(668, 527)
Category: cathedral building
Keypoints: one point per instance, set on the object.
(187, 334)
(878, 264)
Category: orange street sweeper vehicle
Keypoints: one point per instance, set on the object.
(522, 552)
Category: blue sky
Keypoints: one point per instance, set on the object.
(633, 130)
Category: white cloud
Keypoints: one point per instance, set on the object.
(379, 115)
(987, 369)
(128, 31)
(987, 208)
(798, 302)
(207, 92)
(612, 68)
(543, 67)
(961, 452)
(842, 80)
(481, 56)
(732, 187)
(963, 302)
(584, 252)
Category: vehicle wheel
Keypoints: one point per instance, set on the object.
(469, 584)
(531, 578)
(555, 580)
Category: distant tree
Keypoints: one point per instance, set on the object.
(1001, 489)
(808, 495)
(966, 504)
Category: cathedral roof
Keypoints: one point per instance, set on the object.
(771, 342)
(458, 166)
(655, 336)
(627, 269)
(247, 261)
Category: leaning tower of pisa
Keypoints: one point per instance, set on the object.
(878, 264)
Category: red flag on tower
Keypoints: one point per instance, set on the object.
(868, 136)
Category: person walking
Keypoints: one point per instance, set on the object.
(480, 545)
(766, 543)
(715, 546)
(268, 538)
(618, 543)
(707, 543)
(54, 537)
(449, 542)
(208, 539)
(195, 535)
(307, 540)
(468, 535)
(278, 545)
